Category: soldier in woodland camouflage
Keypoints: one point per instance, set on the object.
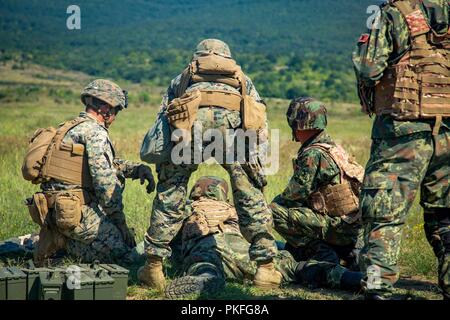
(318, 211)
(102, 234)
(214, 250)
(168, 206)
(403, 71)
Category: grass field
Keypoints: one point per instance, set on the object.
(33, 97)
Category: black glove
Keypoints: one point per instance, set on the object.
(145, 173)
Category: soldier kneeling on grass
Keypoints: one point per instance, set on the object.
(318, 212)
(214, 250)
(79, 207)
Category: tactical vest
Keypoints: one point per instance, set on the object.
(340, 200)
(417, 86)
(208, 217)
(66, 162)
(218, 69)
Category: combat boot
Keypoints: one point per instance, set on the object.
(351, 281)
(151, 274)
(267, 277)
(189, 286)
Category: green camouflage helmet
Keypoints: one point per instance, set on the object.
(306, 114)
(210, 187)
(106, 91)
(213, 46)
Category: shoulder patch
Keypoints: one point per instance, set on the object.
(417, 23)
(364, 38)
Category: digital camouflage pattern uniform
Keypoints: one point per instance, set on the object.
(98, 237)
(168, 206)
(224, 254)
(310, 234)
(405, 157)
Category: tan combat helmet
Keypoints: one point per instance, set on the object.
(214, 188)
(216, 46)
(106, 91)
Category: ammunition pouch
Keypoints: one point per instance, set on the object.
(38, 208)
(182, 112)
(67, 211)
(336, 201)
(253, 114)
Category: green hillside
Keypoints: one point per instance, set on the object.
(289, 47)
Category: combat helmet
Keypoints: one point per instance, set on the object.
(214, 188)
(106, 91)
(307, 113)
(216, 46)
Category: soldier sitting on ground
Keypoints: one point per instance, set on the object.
(318, 211)
(214, 249)
(80, 208)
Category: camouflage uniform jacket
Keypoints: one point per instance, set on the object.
(383, 47)
(108, 173)
(313, 169)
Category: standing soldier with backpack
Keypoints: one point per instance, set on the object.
(80, 207)
(403, 72)
(212, 92)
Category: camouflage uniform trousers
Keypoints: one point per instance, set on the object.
(397, 169)
(316, 237)
(227, 254)
(168, 207)
(98, 238)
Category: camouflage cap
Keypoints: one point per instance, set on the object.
(106, 91)
(307, 113)
(210, 187)
(213, 46)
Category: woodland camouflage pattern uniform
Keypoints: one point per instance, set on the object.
(225, 252)
(168, 206)
(98, 237)
(405, 157)
(313, 235)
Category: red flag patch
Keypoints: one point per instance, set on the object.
(364, 38)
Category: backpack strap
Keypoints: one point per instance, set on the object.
(64, 128)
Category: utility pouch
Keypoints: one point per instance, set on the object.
(253, 114)
(38, 208)
(67, 211)
(182, 112)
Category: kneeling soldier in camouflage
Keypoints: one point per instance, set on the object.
(214, 249)
(318, 211)
(80, 207)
